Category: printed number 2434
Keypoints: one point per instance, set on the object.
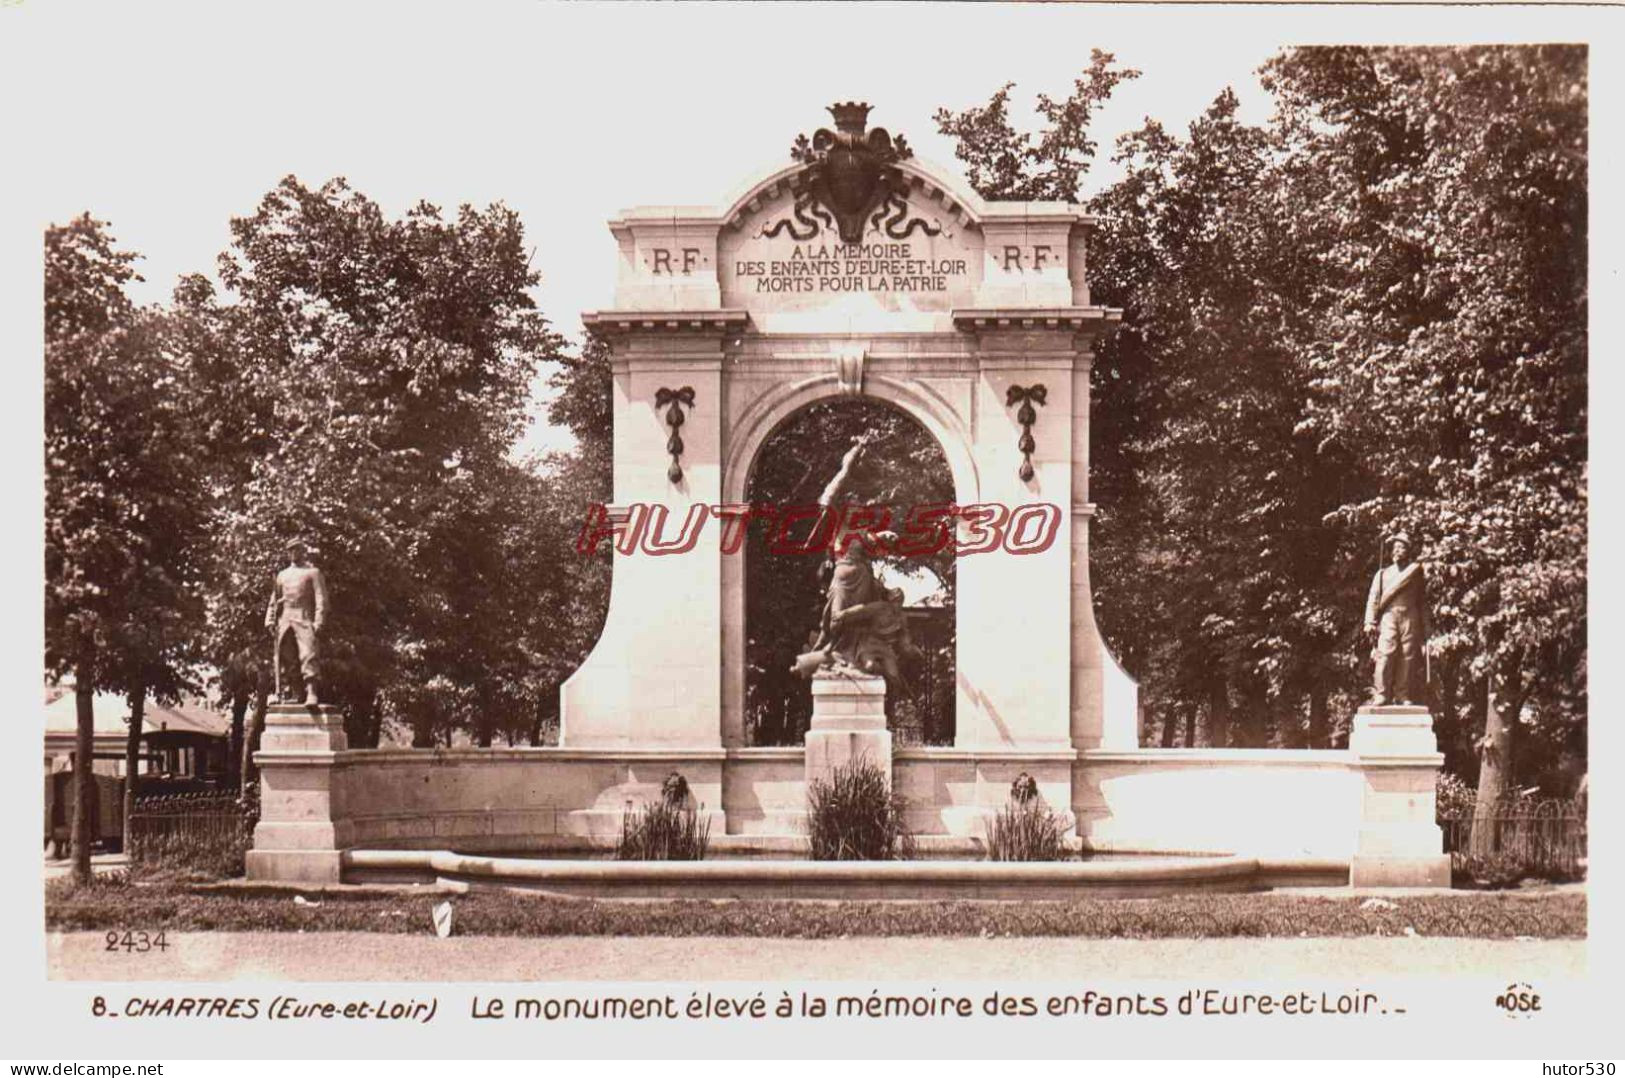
(136, 942)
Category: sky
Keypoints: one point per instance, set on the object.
(167, 120)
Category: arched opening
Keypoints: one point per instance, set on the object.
(900, 468)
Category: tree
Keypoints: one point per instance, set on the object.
(245, 684)
(1009, 165)
(572, 591)
(1370, 312)
(1210, 548)
(1213, 502)
(1451, 343)
(121, 524)
(372, 376)
(583, 401)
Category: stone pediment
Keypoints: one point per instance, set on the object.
(796, 252)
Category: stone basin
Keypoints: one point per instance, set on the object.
(1147, 876)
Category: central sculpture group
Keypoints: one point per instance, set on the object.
(862, 626)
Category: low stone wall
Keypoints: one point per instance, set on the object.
(952, 791)
(949, 791)
(509, 799)
(1281, 803)
(764, 791)
(1269, 803)
(1371, 806)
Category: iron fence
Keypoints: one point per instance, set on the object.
(206, 831)
(1540, 838)
(188, 803)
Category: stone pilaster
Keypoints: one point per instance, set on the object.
(653, 680)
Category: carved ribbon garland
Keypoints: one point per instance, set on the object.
(671, 400)
(1026, 416)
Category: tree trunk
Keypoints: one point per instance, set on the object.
(1448, 722)
(536, 724)
(1218, 716)
(84, 754)
(132, 757)
(375, 722)
(361, 721)
(422, 728)
(1289, 722)
(234, 754)
(1495, 774)
(355, 722)
(1170, 726)
(1190, 727)
(256, 727)
(547, 722)
(1319, 728)
(1251, 729)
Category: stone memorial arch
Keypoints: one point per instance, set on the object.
(930, 300)
(854, 272)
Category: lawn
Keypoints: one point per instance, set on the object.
(117, 904)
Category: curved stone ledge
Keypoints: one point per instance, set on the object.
(1303, 871)
(809, 879)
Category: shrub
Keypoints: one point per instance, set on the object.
(1493, 871)
(1025, 829)
(1455, 798)
(855, 816)
(670, 829)
(1519, 837)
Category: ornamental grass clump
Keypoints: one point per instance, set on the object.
(670, 829)
(1025, 829)
(855, 816)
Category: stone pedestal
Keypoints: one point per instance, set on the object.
(303, 728)
(848, 723)
(302, 828)
(1399, 844)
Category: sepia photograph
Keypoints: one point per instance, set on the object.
(808, 530)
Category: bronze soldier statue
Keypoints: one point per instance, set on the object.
(1396, 617)
(298, 606)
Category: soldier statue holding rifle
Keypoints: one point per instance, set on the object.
(1396, 619)
(298, 606)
